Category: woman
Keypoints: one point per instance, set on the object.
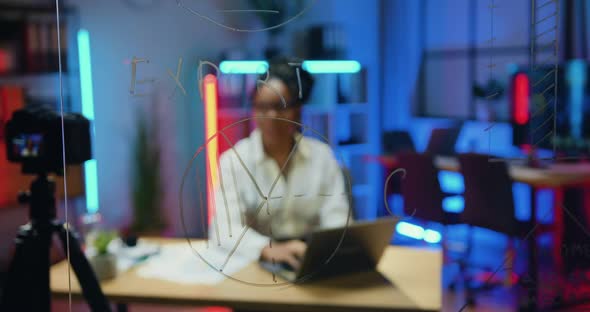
(277, 184)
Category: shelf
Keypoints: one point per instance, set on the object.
(354, 107)
(353, 147)
(233, 111)
(352, 103)
(317, 110)
(35, 8)
(30, 78)
(31, 74)
(327, 109)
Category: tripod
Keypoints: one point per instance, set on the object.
(27, 285)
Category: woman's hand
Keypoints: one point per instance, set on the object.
(290, 252)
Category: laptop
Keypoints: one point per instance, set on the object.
(442, 141)
(359, 250)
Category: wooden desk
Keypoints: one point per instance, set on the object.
(410, 280)
(555, 175)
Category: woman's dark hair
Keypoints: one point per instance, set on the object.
(285, 70)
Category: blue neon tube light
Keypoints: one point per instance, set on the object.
(90, 166)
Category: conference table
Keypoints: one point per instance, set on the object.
(551, 175)
(408, 279)
(548, 176)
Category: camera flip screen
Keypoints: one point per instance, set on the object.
(27, 146)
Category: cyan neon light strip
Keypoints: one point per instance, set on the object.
(451, 182)
(314, 67)
(91, 181)
(417, 232)
(85, 74)
(431, 236)
(243, 67)
(410, 230)
(90, 166)
(332, 67)
(453, 204)
(576, 77)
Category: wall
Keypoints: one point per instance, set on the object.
(418, 26)
(162, 33)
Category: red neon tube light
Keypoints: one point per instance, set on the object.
(520, 99)
(211, 100)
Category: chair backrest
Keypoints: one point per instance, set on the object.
(420, 188)
(397, 141)
(443, 140)
(488, 194)
(347, 178)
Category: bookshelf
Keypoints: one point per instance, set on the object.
(29, 75)
(338, 110)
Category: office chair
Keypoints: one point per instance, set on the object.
(394, 142)
(442, 141)
(422, 194)
(489, 204)
(421, 189)
(347, 177)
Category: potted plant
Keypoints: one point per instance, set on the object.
(103, 262)
(147, 189)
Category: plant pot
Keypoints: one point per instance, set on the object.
(104, 266)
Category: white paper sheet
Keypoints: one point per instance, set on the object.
(127, 257)
(179, 263)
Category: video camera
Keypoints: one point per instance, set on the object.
(34, 138)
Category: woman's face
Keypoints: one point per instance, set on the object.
(267, 103)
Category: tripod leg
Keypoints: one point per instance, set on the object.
(122, 307)
(28, 276)
(91, 290)
(15, 280)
